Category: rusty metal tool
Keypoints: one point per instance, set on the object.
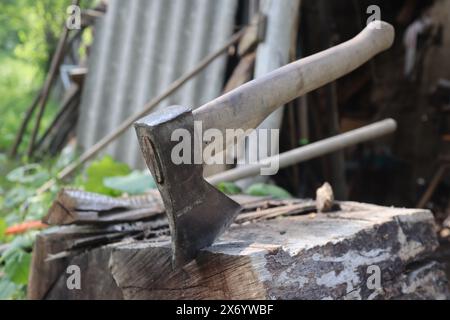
(197, 212)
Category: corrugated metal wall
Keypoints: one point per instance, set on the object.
(141, 46)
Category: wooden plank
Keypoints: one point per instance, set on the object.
(74, 206)
(79, 207)
(243, 72)
(254, 34)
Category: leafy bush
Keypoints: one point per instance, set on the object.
(16, 265)
(18, 85)
(135, 183)
(261, 189)
(29, 34)
(19, 203)
(93, 178)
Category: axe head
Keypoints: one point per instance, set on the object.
(197, 212)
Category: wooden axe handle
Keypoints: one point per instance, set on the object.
(247, 106)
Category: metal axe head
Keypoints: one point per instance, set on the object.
(197, 212)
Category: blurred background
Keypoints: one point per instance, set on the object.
(71, 76)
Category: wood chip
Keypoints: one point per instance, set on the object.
(324, 198)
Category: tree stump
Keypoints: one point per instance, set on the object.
(360, 252)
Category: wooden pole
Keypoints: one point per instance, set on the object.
(23, 126)
(67, 105)
(433, 185)
(51, 76)
(314, 150)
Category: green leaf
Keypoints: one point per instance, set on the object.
(3, 227)
(8, 289)
(136, 182)
(67, 156)
(16, 196)
(303, 142)
(38, 206)
(20, 243)
(262, 189)
(29, 174)
(229, 188)
(101, 169)
(17, 266)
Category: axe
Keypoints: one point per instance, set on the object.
(197, 212)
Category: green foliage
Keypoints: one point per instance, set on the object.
(261, 189)
(303, 142)
(31, 173)
(20, 203)
(32, 28)
(18, 85)
(15, 196)
(87, 39)
(17, 264)
(137, 182)
(9, 290)
(3, 227)
(229, 188)
(29, 35)
(101, 169)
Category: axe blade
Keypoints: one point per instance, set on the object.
(197, 212)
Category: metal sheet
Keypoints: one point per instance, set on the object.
(141, 46)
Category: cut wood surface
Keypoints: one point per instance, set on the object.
(300, 256)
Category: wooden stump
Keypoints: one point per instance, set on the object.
(314, 256)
